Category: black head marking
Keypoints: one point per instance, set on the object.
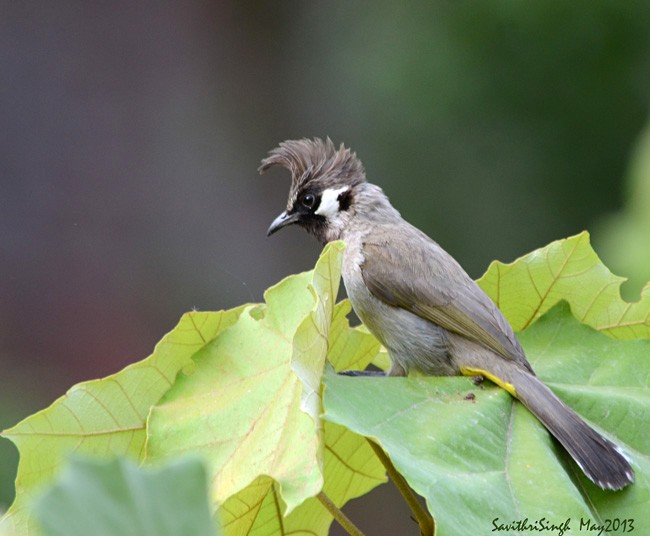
(345, 200)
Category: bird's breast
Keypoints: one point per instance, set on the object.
(411, 341)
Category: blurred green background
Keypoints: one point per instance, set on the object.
(131, 133)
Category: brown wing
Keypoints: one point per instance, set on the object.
(432, 285)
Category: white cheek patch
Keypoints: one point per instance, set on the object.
(329, 202)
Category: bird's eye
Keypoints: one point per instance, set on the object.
(308, 200)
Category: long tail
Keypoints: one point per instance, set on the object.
(599, 458)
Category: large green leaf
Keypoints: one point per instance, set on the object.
(481, 457)
(351, 468)
(104, 417)
(241, 408)
(119, 498)
(570, 270)
(624, 236)
(301, 325)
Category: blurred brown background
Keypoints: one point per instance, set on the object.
(130, 134)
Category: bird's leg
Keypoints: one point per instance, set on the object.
(395, 370)
(362, 373)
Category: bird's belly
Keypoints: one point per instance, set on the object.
(412, 342)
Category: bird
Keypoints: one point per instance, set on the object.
(418, 301)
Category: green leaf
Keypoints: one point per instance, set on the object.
(350, 470)
(305, 326)
(477, 459)
(569, 270)
(252, 406)
(624, 236)
(104, 417)
(350, 467)
(350, 348)
(119, 498)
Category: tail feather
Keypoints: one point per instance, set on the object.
(601, 460)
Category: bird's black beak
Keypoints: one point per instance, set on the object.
(281, 221)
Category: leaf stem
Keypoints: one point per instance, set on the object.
(423, 518)
(340, 517)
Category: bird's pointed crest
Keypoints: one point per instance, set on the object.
(316, 160)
